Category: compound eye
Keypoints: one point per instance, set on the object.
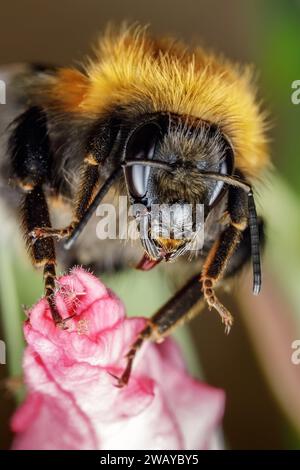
(226, 168)
(218, 186)
(140, 146)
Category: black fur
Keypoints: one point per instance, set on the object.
(29, 147)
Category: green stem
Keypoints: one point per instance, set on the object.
(11, 313)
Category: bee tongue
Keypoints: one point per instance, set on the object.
(146, 263)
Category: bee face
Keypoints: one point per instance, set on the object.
(165, 181)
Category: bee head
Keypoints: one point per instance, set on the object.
(165, 161)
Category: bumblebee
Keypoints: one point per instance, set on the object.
(161, 123)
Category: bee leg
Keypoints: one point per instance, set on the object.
(98, 149)
(40, 233)
(145, 334)
(41, 238)
(214, 267)
(35, 211)
(88, 184)
(31, 166)
(222, 251)
(181, 307)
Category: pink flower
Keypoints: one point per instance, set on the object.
(72, 400)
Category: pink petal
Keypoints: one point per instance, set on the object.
(72, 400)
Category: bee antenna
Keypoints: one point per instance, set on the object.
(253, 225)
(152, 163)
(93, 206)
(255, 247)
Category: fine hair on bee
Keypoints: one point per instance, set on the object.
(160, 123)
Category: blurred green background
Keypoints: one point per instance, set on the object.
(253, 364)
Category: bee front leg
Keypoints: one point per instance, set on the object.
(88, 184)
(98, 148)
(221, 252)
(213, 269)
